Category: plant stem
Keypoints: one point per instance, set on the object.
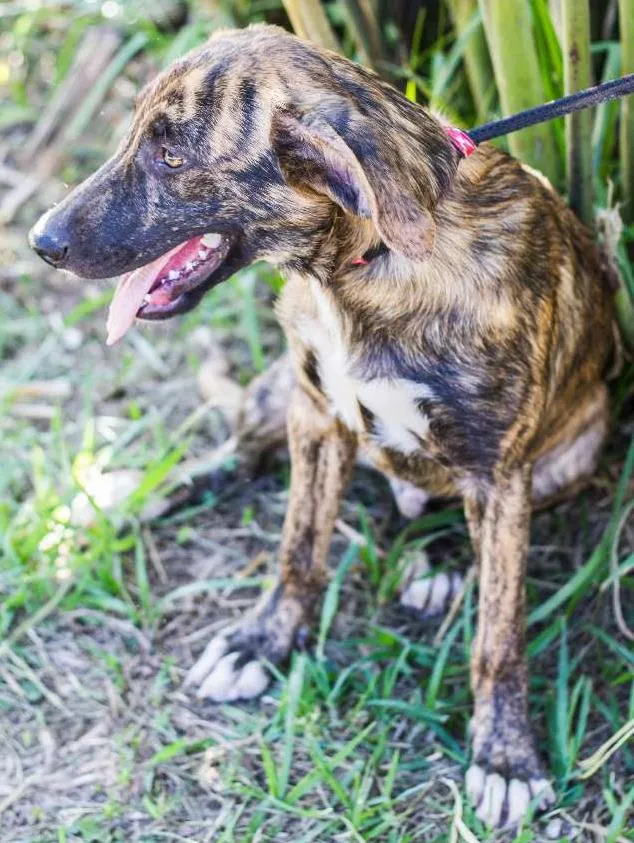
(476, 55)
(626, 26)
(310, 22)
(508, 28)
(365, 30)
(575, 19)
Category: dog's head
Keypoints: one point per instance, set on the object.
(249, 148)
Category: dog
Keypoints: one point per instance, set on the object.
(450, 315)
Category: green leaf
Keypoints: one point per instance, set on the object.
(294, 688)
(331, 600)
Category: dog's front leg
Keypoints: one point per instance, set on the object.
(506, 774)
(322, 458)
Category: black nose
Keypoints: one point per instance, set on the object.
(51, 246)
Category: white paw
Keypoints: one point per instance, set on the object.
(224, 676)
(501, 803)
(432, 595)
(410, 500)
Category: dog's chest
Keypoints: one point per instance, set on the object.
(387, 409)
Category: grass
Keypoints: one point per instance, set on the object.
(520, 83)
(101, 613)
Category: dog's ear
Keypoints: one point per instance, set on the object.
(362, 182)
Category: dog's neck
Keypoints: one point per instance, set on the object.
(367, 277)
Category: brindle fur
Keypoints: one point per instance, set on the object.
(489, 308)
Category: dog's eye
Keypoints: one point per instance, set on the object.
(173, 161)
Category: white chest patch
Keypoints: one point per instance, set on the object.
(397, 420)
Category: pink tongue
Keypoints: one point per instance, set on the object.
(129, 294)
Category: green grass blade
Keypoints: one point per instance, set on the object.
(331, 600)
(293, 697)
(582, 578)
(620, 818)
(584, 711)
(435, 680)
(549, 57)
(443, 80)
(587, 573)
(625, 652)
(144, 589)
(467, 20)
(321, 762)
(562, 702)
(228, 584)
(270, 770)
(311, 779)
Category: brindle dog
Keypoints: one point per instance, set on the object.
(451, 316)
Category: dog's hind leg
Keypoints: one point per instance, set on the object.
(322, 458)
(568, 464)
(261, 421)
(506, 774)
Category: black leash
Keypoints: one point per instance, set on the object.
(466, 142)
(557, 108)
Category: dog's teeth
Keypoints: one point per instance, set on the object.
(173, 275)
(189, 266)
(212, 241)
(202, 254)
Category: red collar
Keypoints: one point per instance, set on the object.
(372, 253)
(461, 140)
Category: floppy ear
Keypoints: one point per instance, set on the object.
(313, 154)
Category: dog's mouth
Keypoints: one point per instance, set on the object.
(171, 284)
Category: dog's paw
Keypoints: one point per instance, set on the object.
(506, 777)
(426, 593)
(432, 595)
(233, 665)
(502, 800)
(228, 671)
(410, 500)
